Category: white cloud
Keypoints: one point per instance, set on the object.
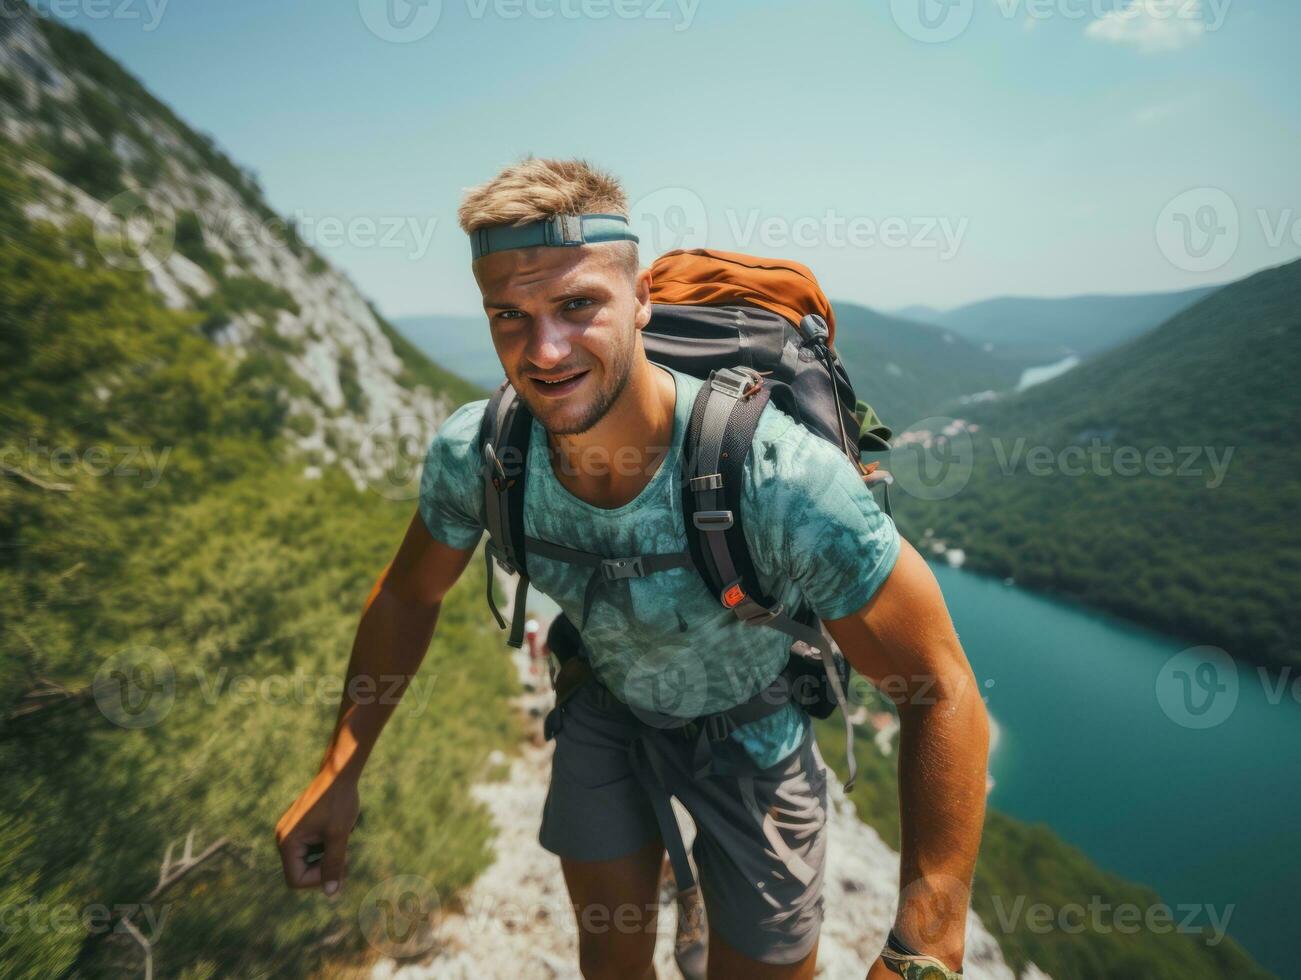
(1152, 26)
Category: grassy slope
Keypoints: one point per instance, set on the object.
(1217, 564)
(234, 584)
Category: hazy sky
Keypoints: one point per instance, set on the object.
(910, 151)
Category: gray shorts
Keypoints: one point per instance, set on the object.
(760, 843)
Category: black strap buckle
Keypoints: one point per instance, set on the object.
(497, 554)
(617, 568)
(710, 481)
(717, 727)
(712, 520)
(732, 381)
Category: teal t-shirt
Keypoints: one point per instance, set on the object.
(662, 642)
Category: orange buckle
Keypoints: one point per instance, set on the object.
(733, 595)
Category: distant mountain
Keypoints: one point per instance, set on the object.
(1028, 331)
(1157, 480)
(907, 370)
(919, 313)
(461, 342)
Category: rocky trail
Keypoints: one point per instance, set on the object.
(517, 921)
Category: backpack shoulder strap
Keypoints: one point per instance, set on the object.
(504, 437)
(724, 418)
(723, 421)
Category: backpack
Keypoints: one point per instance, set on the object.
(754, 330)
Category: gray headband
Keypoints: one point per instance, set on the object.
(560, 230)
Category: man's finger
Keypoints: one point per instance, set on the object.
(334, 864)
(300, 870)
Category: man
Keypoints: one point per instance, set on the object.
(533, 640)
(566, 325)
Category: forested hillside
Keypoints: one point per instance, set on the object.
(187, 532)
(1157, 481)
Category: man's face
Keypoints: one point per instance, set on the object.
(567, 315)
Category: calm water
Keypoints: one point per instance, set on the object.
(1097, 742)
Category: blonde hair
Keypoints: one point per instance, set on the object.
(536, 188)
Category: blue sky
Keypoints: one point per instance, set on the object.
(910, 151)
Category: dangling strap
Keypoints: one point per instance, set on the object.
(488, 580)
(645, 763)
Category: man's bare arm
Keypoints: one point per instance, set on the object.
(397, 624)
(904, 641)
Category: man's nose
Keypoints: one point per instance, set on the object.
(549, 344)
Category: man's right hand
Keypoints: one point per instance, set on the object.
(396, 626)
(323, 815)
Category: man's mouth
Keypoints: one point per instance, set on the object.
(559, 384)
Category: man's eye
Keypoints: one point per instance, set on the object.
(578, 303)
(510, 315)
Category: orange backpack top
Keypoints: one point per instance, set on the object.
(706, 277)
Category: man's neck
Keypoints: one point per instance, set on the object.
(611, 463)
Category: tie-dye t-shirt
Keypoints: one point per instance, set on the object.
(662, 642)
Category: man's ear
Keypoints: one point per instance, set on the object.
(643, 287)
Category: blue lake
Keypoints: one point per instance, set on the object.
(1099, 740)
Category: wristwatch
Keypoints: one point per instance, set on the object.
(911, 965)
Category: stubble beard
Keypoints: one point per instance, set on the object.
(620, 372)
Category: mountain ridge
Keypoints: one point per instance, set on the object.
(1032, 330)
(1194, 534)
(93, 143)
